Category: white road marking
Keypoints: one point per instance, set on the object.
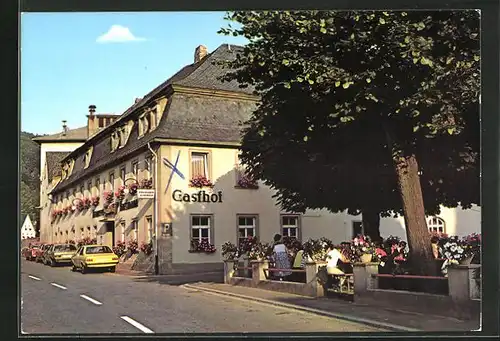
(35, 278)
(137, 325)
(59, 286)
(90, 299)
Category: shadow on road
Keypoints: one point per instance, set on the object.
(180, 279)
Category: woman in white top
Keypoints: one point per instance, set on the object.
(281, 257)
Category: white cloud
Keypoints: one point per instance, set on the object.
(118, 34)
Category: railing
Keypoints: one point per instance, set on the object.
(345, 287)
(243, 271)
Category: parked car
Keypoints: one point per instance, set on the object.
(94, 256)
(59, 254)
(40, 252)
(30, 254)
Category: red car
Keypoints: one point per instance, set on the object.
(30, 254)
(40, 252)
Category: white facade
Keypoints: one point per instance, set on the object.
(27, 230)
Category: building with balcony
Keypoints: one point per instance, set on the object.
(187, 131)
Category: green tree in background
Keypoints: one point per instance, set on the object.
(30, 183)
(369, 99)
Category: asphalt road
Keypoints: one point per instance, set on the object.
(56, 300)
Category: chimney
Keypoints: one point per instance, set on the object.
(92, 122)
(65, 128)
(200, 53)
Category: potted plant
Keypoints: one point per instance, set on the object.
(120, 193)
(200, 182)
(473, 241)
(316, 249)
(86, 203)
(229, 251)
(80, 205)
(202, 246)
(146, 248)
(108, 198)
(132, 246)
(363, 250)
(146, 183)
(95, 201)
(132, 188)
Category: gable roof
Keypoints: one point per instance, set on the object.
(53, 164)
(187, 116)
(76, 135)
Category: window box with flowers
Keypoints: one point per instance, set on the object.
(363, 250)
(200, 182)
(203, 245)
(95, 201)
(120, 193)
(146, 184)
(132, 247)
(80, 205)
(108, 198)
(132, 188)
(245, 181)
(146, 248)
(110, 209)
(120, 248)
(86, 203)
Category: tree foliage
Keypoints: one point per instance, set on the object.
(354, 96)
(30, 174)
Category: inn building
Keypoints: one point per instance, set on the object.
(187, 131)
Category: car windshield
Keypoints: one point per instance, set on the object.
(98, 249)
(64, 248)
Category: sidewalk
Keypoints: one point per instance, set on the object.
(391, 319)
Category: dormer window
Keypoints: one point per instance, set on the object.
(87, 157)
(71, 165)
(115, 141)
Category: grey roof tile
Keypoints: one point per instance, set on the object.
(78, 134)
(53, 162)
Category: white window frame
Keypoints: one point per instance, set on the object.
(289, 227)
(246, 227)
(122, 224)
(200, 228)
(149, 228)
(204, 157)
(135, 232)
(435, 223)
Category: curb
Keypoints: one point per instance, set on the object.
(372, 323)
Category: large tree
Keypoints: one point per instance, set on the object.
(378, 89)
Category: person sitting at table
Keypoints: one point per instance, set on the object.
(336, 265)
(281, 259)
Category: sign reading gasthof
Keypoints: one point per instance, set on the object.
(145, 193)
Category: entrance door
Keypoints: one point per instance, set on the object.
(110, 234)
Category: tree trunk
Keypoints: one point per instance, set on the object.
(414, 216)
(371, 224)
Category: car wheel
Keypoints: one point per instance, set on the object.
(83, 269)
(112, 269)
(52, 263)
(73, 267)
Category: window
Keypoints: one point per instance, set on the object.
(199, 164)
(135, 169)
(122, 227)
(89, 187)
(149, 228)
(134, 230)
(122, 175)
(98, 186)
(436, 224)
(87, 157)
(148, 166)
(101, 122)
(247, 227)
(201, 228)
(357, 228)
(112, 180)
(290, 226)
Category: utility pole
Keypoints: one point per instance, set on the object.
(155, 208)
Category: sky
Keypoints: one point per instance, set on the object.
(72, 60)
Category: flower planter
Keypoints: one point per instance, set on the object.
(466, 261)
(366, 258)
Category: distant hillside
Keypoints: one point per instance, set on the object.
(30, 181)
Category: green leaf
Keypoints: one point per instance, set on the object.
(356, 18)
(451, 131)
(404, 14)
(262, 63)
(385, 13)
(337, 84)
(476, 58)
(415, 60)
(381, 21)
(310, 128)
(415, 129)
(449, 60)
(286, 62)
(305, 138)
(300, 79)
(352, 36)
(407, 39)
(368, 80)
(310, 81)
(323, 30)
(346, 85)
(287, 85)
